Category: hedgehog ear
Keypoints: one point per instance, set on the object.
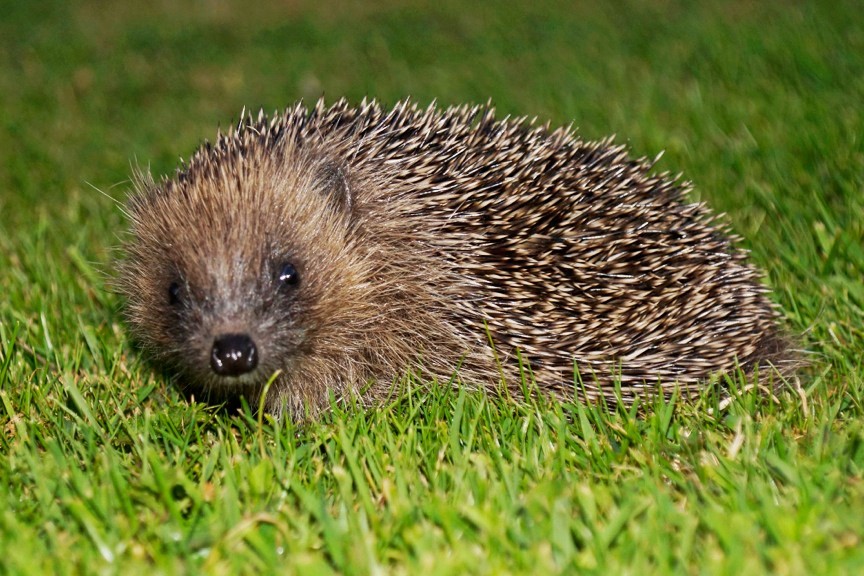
(332, 180)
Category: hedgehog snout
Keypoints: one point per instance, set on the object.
(233, 355)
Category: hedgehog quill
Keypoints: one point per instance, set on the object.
(343, 245)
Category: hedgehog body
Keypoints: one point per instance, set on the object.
(343, 245)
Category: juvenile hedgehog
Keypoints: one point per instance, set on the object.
(343, 245)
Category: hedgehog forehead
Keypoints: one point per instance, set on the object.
(235, 222)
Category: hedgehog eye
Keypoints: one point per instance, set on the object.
(174, 293)
(288, 275)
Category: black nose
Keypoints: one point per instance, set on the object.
(233, 355)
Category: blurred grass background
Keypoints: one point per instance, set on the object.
(105, 466)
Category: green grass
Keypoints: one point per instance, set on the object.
(106, 468)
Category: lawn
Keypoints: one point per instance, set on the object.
(105, 466)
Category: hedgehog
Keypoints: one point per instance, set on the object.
(327, 251)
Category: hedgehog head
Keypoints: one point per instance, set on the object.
(235, 267)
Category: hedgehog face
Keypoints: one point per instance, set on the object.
(231, 331)
(219, 285)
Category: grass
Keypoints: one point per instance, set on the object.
(106, 468)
